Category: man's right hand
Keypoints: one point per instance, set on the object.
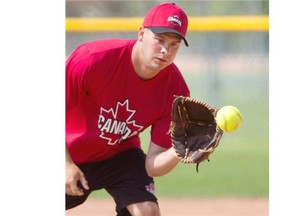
(73, 175)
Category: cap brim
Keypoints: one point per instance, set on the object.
(160, 30)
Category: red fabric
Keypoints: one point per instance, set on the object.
(107, 105)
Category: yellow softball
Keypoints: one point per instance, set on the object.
(229, 118)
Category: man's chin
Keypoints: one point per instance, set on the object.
(159, 65)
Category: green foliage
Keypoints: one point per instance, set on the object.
(139, 8)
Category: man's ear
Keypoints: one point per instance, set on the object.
(141, 33)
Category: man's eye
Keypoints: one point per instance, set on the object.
(175, 45)
(160, 40)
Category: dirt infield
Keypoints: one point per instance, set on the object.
(184, 207)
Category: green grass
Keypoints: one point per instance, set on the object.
(239, 166)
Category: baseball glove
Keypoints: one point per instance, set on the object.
(194, 131)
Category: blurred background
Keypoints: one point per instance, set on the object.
(221, 67)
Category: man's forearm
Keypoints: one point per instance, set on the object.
(160, 163)
(68, 158)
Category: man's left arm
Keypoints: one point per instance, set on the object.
(160, 161)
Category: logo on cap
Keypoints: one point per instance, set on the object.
(174, 20)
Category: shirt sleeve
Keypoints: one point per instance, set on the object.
(77, 66)
(160, 130)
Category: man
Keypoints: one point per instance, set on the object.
(115, 89)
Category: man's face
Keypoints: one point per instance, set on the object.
(159, 50)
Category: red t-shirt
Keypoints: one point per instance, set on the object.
(108, 105)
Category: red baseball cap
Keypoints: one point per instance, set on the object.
(167, 18)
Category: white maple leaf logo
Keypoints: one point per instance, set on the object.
(117, 125)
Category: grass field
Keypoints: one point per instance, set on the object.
(239, 166)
